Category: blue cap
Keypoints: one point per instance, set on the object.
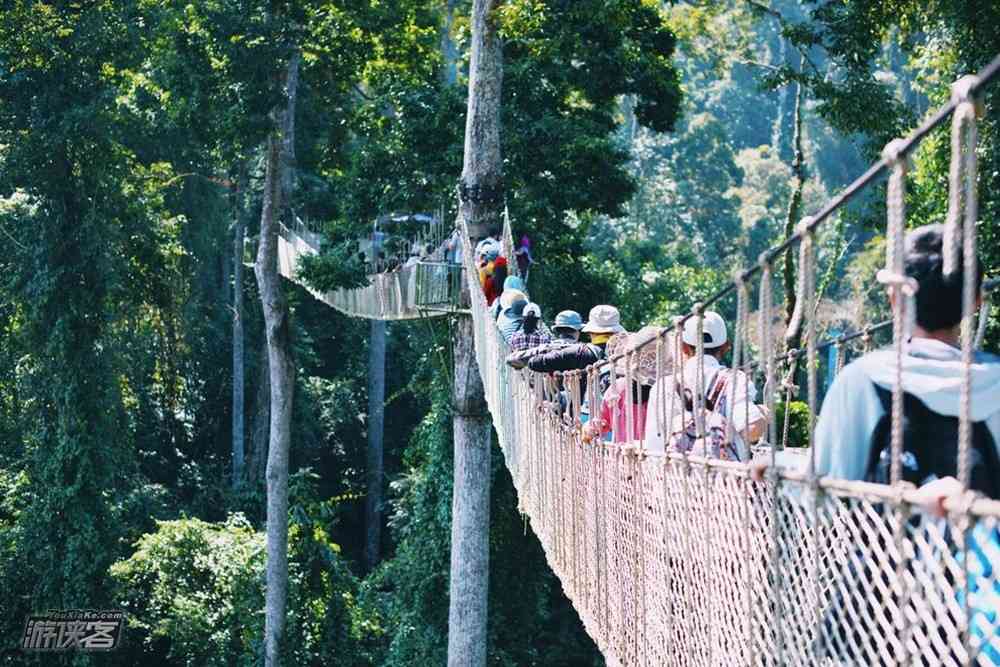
(514, 282)
(516, 309)
(568, 319)
(489, 248)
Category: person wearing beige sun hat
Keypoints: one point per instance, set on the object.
(603, 323)
(603, 320)
(638, 363)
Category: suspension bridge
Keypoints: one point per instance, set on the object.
(675, 559)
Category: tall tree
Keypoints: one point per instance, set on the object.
(239, 366)
(480, 206)
(282, 372)
(85, 234)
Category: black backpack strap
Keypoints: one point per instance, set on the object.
(881, 436)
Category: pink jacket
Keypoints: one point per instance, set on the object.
(613, 412)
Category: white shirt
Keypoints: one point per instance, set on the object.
(735, 404)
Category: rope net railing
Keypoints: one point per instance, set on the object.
(676, 559)
(671, 558)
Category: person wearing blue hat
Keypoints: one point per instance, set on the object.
(510, 283)
(565, 330)
(567, 325)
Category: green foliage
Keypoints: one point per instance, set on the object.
(192, 590)
(130, 137)
(565, 65)
(798, 426)
(411, 585)
(194, 593)
(531, 622)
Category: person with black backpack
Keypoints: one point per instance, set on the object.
(854, 431)
(853, 434)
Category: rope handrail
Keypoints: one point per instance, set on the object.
(681, 557)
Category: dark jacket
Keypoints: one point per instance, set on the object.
(568, 358)
(520, 359)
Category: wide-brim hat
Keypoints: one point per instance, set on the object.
(646, 368)
(568, 319)
(512, 296)
(603, 319)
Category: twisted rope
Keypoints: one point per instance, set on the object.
(962, 198)
(893, 276)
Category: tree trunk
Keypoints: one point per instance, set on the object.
(376, 429)
(239, 375)
(260, 430)
(480, 201)
(282, 371)
(792, 217)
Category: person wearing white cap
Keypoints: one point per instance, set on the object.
(532, 333)
(728, 397)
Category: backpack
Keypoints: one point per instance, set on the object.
(684, 431)
(930, 447)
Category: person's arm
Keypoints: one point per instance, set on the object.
(570, 357)
(850, 413)
(520, 359)
(654, 436)
(746, 417)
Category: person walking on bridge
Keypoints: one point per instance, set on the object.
(603, 323)
(532, 334)
(853, 437)
(728, 397)
(852, 431)
(565, 331)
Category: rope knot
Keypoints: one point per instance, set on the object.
(964, 89)
(907, 284)
(804, 228)
(895, 151)
(764, 260)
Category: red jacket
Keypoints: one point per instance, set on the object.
(493, 284)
